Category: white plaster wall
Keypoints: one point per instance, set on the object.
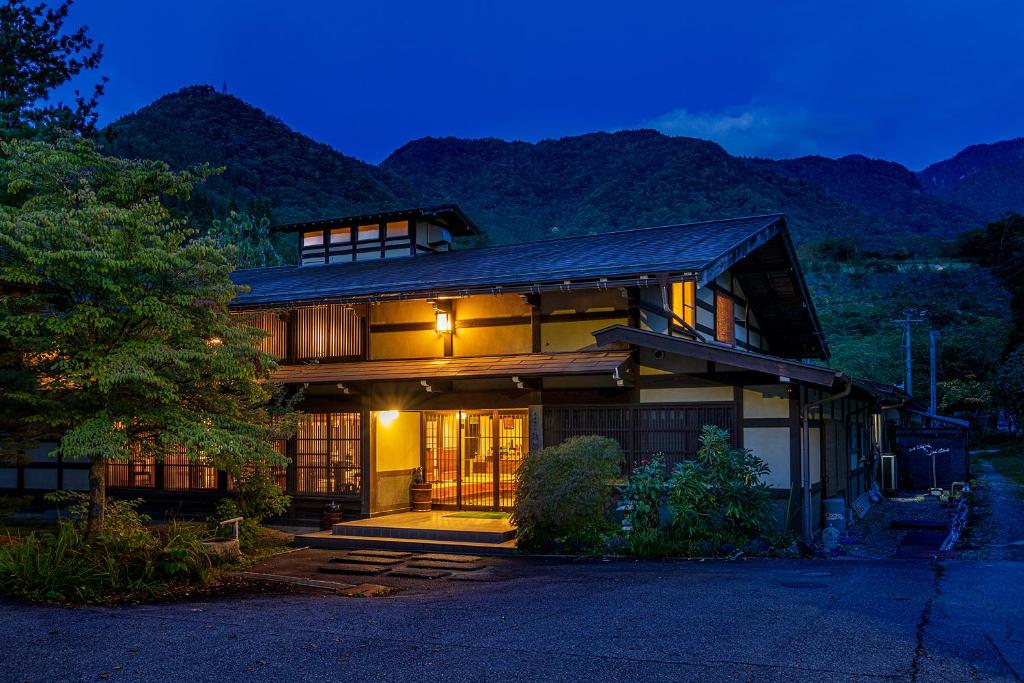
(765, 401)
(686, 395)
(771, 444)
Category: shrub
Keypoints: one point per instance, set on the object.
(642, 498)
(129, 559)
(719, 499)
(255, 497)
(564, 494)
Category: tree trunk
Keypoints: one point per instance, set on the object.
(97, 499)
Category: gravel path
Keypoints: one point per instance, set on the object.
(999, 518)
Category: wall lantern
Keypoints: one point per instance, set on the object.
(442, 321)
(387, 417)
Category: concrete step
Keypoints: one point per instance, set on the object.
(332, 541)
(455, 535)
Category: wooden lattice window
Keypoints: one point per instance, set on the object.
(725, 319)
(328, 332)
(328, 454)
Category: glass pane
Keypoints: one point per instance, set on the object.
(341, 235)
(369, 232)
(313, 239)
(398, 229)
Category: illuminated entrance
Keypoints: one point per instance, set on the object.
(471, 456)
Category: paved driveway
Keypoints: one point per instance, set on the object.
(755, 620)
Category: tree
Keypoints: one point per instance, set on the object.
(247, 240)
(36, 57)
(1011, 388)
(119, 316)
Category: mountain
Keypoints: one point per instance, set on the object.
(269, 168)
(988, 179)
(885, 190)
(607, 181)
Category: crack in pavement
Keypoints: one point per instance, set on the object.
(920, 652)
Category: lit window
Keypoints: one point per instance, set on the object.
(398, 229)
(327, 453)
(369, 232)
(313, 239)
(725, 323)
(684, 301)
(341, 235)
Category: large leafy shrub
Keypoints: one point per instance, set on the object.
(128, 560)
(642, 498)
(719, 499)
(564, 494)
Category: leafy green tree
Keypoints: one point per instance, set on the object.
(36, 57)
(120, 319)
(247, 239)
(964, 394)
(1011, 388)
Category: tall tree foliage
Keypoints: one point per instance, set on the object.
(36, 57)
(117, 318)
(247, 240)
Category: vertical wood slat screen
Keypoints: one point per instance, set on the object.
(333, 331)
(274, 324)
(182, 473)
(327, 453)
(642, 431)
(139, 472)
(725, 319)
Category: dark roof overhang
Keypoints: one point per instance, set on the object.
(727, 355)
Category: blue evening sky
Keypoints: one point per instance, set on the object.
(909, 81)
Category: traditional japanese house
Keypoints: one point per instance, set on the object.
(414, 353)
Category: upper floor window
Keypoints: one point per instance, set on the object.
(341, 235)
(313, 239)
(333, 331)
(684, 301)
(725, 320)
(369, 232)
(312, 247)
(398, 229)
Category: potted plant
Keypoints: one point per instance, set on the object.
(419, 491)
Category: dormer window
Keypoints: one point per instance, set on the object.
(369, 232)
(312, 247)
(369, 237)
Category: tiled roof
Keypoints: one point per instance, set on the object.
(671, 248)
(523, 365)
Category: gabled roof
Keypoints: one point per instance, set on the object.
(673, 248)
(769, 273)
(447, 215)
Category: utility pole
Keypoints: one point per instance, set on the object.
(933, 405)
(910, 317)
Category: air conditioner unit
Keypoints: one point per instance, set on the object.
(889, 471)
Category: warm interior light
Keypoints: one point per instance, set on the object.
(443, 321)
(387, 417)
(214, 341)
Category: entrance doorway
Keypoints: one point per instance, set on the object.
(471, 456)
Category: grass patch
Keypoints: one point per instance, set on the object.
(1007, 458)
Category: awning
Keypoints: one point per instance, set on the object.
(709, 351)
(479, 367)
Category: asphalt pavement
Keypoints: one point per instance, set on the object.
(756, 620)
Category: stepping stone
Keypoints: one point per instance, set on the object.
(410, 573)
(445, 557)
(487, 574)
(369, 590)
(362, 559)
(351, 568)
(434, 564)
(379, 553)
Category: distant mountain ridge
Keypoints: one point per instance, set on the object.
(520, 191)
(987, 178)
(269, 168)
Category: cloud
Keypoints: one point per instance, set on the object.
(751, 131)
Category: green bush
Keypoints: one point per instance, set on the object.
(642, 498)
(719, 499)
(129, 559)
(255, 497)
(564, 494)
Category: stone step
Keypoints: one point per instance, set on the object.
(352, 558)
(448, 557)
(350, 568)
(412, 573)
(454, 566)
(397, 554)
(456, 535)
(331, 541)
